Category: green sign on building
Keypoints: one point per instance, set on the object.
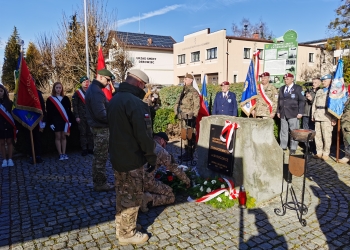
(280, 57)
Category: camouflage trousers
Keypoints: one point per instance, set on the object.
(129, 191)
(101, 143)
(86, 139)
(161, 193)
(323, 137)
(346, 134)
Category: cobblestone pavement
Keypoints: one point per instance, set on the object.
(53, 206)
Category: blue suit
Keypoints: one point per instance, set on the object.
(225, 106)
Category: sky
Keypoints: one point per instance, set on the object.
(175, 18)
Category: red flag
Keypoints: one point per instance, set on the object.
(108, 90)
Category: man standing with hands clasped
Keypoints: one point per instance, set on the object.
(131, 150)
(290, 109)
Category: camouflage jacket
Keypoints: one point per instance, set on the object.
(78, 105)
(345, 118)
(319, 111)
(187, 102)
(164, 158)
(262, 109)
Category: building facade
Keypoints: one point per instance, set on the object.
(227, 58)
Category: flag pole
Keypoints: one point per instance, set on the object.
(86, 43)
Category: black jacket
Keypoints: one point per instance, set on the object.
(96, 105)
(292, 103)
(130, 130)
(4, 124)
(53, 114)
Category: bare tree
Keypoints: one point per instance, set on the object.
(246, 29)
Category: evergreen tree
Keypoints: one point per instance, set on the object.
(12, 51)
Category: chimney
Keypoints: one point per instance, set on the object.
(256, 35)
(149, 41)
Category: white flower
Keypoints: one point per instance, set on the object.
(205, 183)
(213, 181)
(226, 193)
(219, 199)
(230, 197)
(201, 189)
(222, 186)
(208, 190)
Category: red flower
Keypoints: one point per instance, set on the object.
(158, 176)
(170, 178)
(221, 180)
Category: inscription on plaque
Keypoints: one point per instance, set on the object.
(219, 158)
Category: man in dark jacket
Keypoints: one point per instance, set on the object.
(96, 114)
(225, 102)
(290, 109)
(131, 148)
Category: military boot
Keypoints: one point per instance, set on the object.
(147, 197)
(103, 188)
(138, 238)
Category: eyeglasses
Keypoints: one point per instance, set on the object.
(108, 79)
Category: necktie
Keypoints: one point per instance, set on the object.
(225, 95)
(286, 91)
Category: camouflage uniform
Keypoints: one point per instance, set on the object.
(262, 109)
(345, 126)
(101, 139)
(161, 193)
(84, 129)
(129, 187)
(188, 103)
(323, 123)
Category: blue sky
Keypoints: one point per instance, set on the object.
(176, 18)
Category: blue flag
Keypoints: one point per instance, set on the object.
(27, 108)
(204, 94)
(249, 92)
(337, 92)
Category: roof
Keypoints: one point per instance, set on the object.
(137, 39)
(315, 41)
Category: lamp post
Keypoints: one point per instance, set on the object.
(227, 41)
(86, 42)
(245, 29)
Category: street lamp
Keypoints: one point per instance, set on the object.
(228, 41)
(245, 29)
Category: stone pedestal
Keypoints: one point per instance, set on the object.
(258, 159)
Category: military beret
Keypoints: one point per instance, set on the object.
(265, 74)
(224, 83)
(83, 79)
(325, 77)
(189, 76)
(288, 75)
(105, 72)
(162, 135)
(139, 74)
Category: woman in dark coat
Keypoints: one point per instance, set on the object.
(59, 115)
(7, 127)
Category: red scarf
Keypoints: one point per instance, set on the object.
(9, 119)
(62, 112)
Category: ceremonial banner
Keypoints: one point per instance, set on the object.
(249, 92)
(27, 109)
(337, 92)
(204, 94)
(109, 89)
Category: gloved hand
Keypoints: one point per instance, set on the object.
(52, 127)
(150, 168)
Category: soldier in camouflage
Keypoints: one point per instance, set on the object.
(324, 121)
(266, 103)
(157, 192)
(186, 108)
(345, 126)
(78, 101)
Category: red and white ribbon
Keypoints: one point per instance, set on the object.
(62, 112)
(81, 95)
(265, 98)
(232, 192)
(228, 130)
(9, 119)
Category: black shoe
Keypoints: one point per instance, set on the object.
(90, 151)
(39, 159)
(104, 188)
(84, 153)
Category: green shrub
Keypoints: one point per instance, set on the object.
(162, 118)
(168, 96)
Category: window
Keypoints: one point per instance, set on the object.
(246, 53)
(261, 54)
(211, 53)
(181, 59)
(195, 56)
(311, 57)
(234, 78)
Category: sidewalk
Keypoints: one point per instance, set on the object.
(53, 206)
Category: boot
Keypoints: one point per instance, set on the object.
(344, 160)
(138, 228)
(103, 188)
(147, 197)
(325, 157)
(138, 238)
(318, 156)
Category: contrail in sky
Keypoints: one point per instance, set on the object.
(148, 15)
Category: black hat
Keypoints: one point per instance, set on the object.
(162, 135)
